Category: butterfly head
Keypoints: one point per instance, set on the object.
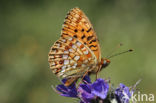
(105, 62)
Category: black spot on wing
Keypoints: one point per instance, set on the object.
(51, 54)
(92, 46)
(82, 30)
(75, 36)
(89, 30)
(64, 34)
(94, 40)
(83, 36)
(66, 17)
(54, 49)
(75, 30)
(90, 37)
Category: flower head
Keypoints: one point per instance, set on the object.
(69, 91)
(85, 93)
(100, 88)
(89, 92)
(123, 93)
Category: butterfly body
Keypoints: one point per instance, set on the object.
(77, 51)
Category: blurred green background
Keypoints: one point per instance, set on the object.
(28, 28)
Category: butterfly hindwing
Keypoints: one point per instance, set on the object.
(68, 57)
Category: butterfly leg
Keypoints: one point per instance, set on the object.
(70, 81)
(82, 78)
(97, 73)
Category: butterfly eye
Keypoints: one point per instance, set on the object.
(105, 63)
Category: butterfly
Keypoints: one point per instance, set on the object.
(77, 52)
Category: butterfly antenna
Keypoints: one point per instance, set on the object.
(130, 50)
(112, 51)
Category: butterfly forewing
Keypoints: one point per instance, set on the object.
(77, 25)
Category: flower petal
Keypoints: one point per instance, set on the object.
(100, 88)
(67, 91)
(86, 79)
(84, 93)
(61, 88)
(123, 93)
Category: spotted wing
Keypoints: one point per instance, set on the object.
(68, 57)
(77, 25)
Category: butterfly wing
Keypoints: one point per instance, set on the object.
(68, 57)
(77, 51)
(77, 25)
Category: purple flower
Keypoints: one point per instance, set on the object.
(69, 91)
(100, 88)
(123, 93)
(88, 92)
(85, 93)
(86, 79)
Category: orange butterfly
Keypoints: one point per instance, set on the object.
(77, 51)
